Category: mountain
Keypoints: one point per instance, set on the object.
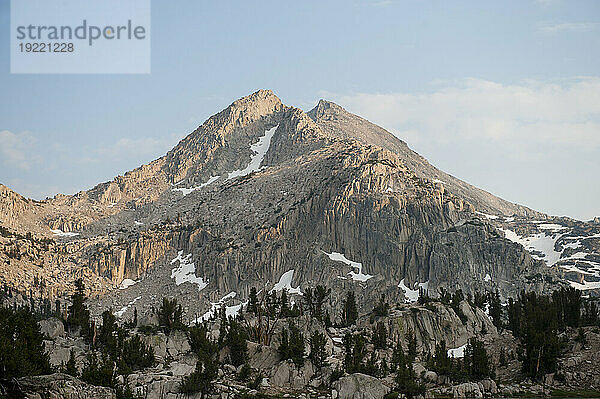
(265, 195)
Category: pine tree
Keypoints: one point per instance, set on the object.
(502, 358)
(475, 362)
(253, 301)
(308, 299)
(350, 311)
(412, 347)
(170, 315)
(496, 309)
(202, 379)
(442, 364)
(99, 372)
(284, 309)
(406, 379)
(106, 333)
(284, 345)
(320, 295)
(236, 341)
(135, 355)
(21, 344)
(70, 366)
(382, 308)
(356, 350)
(317, 349)
(78, 314)
(296, 345)
(398, 357)
(379, 339)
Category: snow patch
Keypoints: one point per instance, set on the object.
(259, 149)
(138, 223)
(457, 352)
(186, 271)
(573, 245)
(488, 216)
(540, 242)
(230, 311)
(487, 278)
(551, 227)
(410, 294)
(285, 283)
(576, 256)
(122, 311)
(586, 285)
(126, 283)
(356, 276)
(186, 191)
(60, 233)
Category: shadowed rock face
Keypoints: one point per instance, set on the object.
(322, 182)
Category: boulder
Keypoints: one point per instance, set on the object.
(158, 343)
(58, 386)
(287, 374)
(181, 369)
(489, 386)
(52, 328)
(262, 357)
(419, 369)
(177, 344)
(467, 390)
(360, 386)
(430, 376)
(283, 373)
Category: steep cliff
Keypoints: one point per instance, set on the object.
(263, 193)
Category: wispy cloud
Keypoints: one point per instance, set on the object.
(37, 167)
(532, 142)
(14, 149)
(554, 28)
(521, 116)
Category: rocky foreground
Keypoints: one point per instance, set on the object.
(265, 373)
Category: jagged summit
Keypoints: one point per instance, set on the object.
(263, 190)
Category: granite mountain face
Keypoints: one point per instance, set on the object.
(265, 195)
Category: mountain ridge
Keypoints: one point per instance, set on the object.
(318, 186)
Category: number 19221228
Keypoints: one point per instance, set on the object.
(46, 47)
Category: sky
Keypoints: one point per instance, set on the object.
(504, 95)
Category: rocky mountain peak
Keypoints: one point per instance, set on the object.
(324, 107)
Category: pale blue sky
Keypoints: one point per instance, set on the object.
(505, 95)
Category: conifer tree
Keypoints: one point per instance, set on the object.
(78, 314)
(379, 339)
(21, 344)
(253, 301)
(317, 349)
(70, 366)
(349, 311)
(170, 315)
(236, 341)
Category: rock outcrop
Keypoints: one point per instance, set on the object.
(360, 386)
(58, 386)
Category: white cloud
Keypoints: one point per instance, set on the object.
(523, 116)
(14, 149)
(552, 28)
